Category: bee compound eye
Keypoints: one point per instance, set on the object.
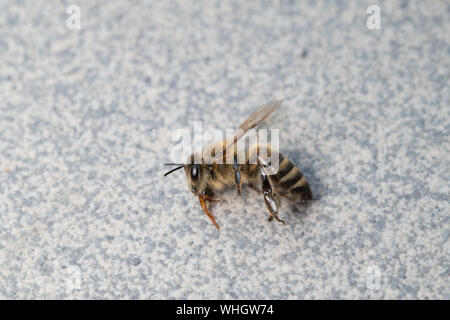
(194, 172)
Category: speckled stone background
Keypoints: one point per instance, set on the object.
(85, 123)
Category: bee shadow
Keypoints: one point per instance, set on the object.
(305, 162)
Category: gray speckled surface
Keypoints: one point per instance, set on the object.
(85, 122)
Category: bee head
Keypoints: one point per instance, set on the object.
(197, 177)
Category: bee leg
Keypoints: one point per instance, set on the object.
(273, 208)
(206, 197)
(237, 175)
(208, 194)
(203, 204)
(269, 197)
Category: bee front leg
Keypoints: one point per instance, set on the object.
(237, 175)
(206, 197)
(269, 197)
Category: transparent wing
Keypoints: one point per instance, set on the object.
(258, 116)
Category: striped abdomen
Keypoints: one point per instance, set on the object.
(290, 182)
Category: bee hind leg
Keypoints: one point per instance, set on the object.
(273, 208)
(269, 197)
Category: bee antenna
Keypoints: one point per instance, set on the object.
(173, 170)
(173, 164)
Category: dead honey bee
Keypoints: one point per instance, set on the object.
(207, 178)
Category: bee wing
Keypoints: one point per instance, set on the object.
(258, 116)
